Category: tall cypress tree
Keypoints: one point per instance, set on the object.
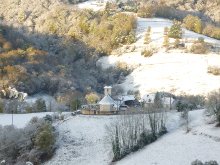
(117, 145)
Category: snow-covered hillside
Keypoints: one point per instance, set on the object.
(165, 71)
(178, 147)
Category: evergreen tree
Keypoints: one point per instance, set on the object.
(175, 31)
(75, 104)
(116, 145)
(40, 105)
(45, 138)
(1, 109)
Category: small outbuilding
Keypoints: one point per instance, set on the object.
(129, 100)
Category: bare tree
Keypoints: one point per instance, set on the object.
(134, 129)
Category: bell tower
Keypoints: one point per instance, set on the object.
(108, 90)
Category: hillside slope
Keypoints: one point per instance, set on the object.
(178, 147)
(164, 71)
(83, 140)
(73, 40)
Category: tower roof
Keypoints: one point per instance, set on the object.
(107, 100)
(107, 87)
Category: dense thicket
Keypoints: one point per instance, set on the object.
(201, 16)
(136, 129)
(33, 143)
(207, 10)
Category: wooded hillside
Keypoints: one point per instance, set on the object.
(51, 47)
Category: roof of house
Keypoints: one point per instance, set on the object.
(107, 100)
(126, 97)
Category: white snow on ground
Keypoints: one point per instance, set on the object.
(91, 4)
(178, 147)
(82, 140)
(165, 71)
(20, 120)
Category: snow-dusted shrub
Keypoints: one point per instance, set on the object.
(147, 53)
(197, 162)
(55, 115)
(40, 105)
(34, 120)
(213, 104)
(211, 162)
(48, 118)
(190, 101)
(29, 109)
(35, 142)
(215, 70)
(62, 117)
(45, 140)
(199, 48)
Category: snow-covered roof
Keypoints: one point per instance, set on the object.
(108, 87)
(126, 97)
(107, 100)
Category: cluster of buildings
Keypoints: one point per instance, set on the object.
(10, 93)
(107, 105)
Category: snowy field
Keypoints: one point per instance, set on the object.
(20, 120)
(91, 4)
(166, 71)
(82, 140)
(178, 147)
